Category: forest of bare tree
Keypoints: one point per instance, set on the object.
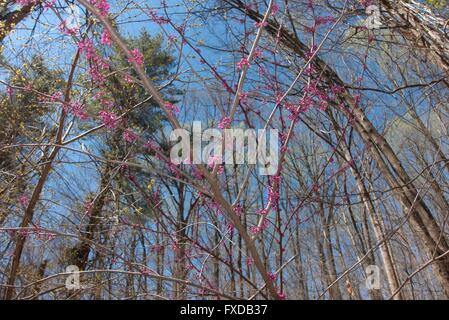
(98, 201)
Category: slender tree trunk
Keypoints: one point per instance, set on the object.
(385, 253)
(29, 211)
(328, 256)
(180, 252)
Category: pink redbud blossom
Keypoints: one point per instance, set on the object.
(243, 62)
(130, 136)
(136, 57)
(105, 38)
(109, 119)
(171, 107)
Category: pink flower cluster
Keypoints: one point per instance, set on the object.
(274, 8)
(108, 118)
(273, 195)
(37, 232)
(26, 2)
(273, 190)
(213, 160)
(88, 205)
(314, 97)
(243, 62)
(130, 136)
(261, 24)
(238, 210)
(136, 57)
(97, 65)
(257, 53)
(101, 5)
(23, 200)
(366, 3)
(197, 174)
(105, 38)
(293, 109)
(156, 248)
(171, 39)
(145, 271)
(255, 230)
(67, 30)
(174, 170)
(156, 18)
(282, 296)
(243, 97)
(48, 4)
(9, 91)
(55, 97)
(324, 20)
(86, 46)
(171, 107)
(151, 145)
(77, 109)
(337, 90)
(272, 276)
(225, 123)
